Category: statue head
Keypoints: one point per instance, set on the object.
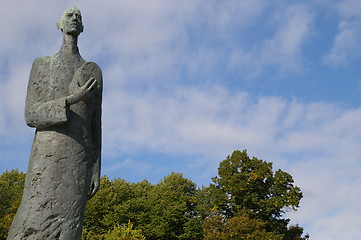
(71, 22)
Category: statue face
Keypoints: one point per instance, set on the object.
(71, 22)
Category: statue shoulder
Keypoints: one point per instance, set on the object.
(40, 66)
(96, 72)
(43, 61)
(93, 66)
(92, 69)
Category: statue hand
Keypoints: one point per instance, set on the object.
(82, 92)
(94, 185)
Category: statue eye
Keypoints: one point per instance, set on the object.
(69, 15)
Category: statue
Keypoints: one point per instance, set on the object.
(63, 103)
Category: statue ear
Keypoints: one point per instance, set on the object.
(82, 28)
(58, 25)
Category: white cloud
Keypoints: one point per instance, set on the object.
(345, 43)
(160, 38)
(199, 119)
(285, 46)
(12, 102)
(293, 26)
(330, 207)
(349, 35)
(349, 8)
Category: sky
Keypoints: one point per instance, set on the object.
(188, 82)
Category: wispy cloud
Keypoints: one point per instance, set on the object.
(345, 43)
(349, 35)
(293, 26)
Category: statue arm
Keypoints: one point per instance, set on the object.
(41, 113)
(97, 134)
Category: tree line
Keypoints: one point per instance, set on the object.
(247, 200)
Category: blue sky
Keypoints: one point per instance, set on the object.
(187, 82)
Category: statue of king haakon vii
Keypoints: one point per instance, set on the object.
(63, 103)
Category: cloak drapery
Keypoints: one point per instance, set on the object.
(66, 150)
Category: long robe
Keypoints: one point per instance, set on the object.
(65, 155)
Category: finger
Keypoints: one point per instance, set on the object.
(89, 82)
(93, 190)
(93, 85)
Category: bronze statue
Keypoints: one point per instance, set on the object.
(64, 105)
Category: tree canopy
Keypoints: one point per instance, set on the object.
(11, 190)
(246, 200)
(248, 188)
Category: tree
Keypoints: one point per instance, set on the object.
(172, 210)
(167, 210)
(246, 200)
(11, 190)
(238, 228)
(249, 187)
(116, 203)
(125, 232)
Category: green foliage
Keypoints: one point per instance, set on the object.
(246, 184)
(245, 201)
(166, 210)
(238, 228)
(249, 187)
(125, 232)
(11, 190)
(172, 211)
(115, 204)
(294, 232)
(90, 235)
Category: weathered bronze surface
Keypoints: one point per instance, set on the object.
(64, 105)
